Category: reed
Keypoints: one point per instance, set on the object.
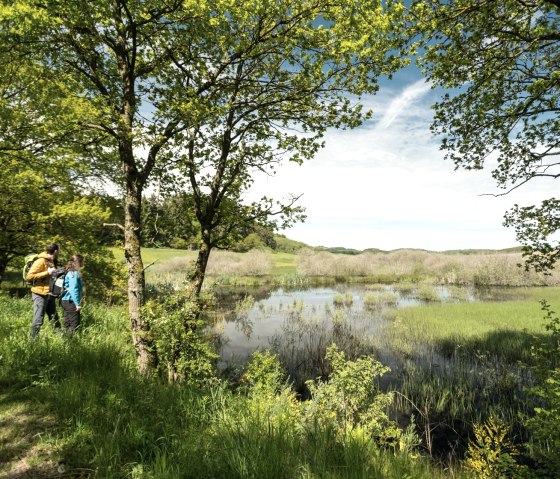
(479, 269)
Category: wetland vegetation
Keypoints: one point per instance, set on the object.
(448, 353)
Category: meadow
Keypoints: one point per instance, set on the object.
(76, 407)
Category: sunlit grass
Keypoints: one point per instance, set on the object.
(76, 407)
(498, 328)
(439, 321)
(283, 264)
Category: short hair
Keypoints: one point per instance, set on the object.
(52, 247)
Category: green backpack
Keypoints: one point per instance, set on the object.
(27, 262)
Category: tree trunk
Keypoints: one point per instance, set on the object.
(145, 354)
(3, 262)
(197, 277)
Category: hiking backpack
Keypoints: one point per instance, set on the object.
(56, 283)
(27, 263)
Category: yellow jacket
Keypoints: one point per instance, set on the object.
(39, 274)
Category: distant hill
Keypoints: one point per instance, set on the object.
(287, 245)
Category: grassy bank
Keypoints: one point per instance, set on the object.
(502, 328)
(75, 407)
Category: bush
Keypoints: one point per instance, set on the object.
(544, 426)
(184, 353)
(350, 402)
(492, 455)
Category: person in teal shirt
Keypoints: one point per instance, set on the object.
(73, 292)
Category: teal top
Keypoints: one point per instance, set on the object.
(73, 287)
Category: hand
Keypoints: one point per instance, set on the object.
(78, 308)
(51, 270)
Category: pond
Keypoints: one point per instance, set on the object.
(299, 322)
(444, 394)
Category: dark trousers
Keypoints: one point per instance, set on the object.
(71, 316)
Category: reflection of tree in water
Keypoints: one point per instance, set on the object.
(229, 297)
(302, 344)
(242, 322)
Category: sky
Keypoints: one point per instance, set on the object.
(386, 184)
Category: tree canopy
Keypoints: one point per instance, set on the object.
(214, 90)
(500, 60)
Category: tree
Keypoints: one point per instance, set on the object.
(211, 87)
(500, 60)
(288, 70)
(36, 208)
(41, 194)
(169, 221)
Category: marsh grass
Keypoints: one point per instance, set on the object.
(380, 298)
(479, 269)
(460, 364)
(76, 407)
(427, 293)
(346, 299)
(495, 328)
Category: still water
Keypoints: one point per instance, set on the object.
(293, 321)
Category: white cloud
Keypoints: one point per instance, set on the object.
(386, 186)
(404, 100)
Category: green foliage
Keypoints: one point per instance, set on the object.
(492, 455)
(264, 373)
(77, 404)
(286, 245)
(499, 62)
(184, 351)
(350, 402)
(544, 444)
(251, 241)
(169, 221)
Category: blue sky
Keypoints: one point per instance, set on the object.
(386, 184)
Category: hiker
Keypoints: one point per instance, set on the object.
(39, 273)
(73, 292)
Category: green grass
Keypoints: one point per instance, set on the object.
(284, 264)
(461, 363)
(497, 328)
(76, 407)
(149, 255)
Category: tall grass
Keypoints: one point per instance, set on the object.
(74, 406)
(479, 269)
(501, 328)
(460, 364)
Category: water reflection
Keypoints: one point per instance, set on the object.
(300, 320)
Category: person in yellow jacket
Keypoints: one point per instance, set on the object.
(40, 274)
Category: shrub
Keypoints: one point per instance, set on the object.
(184, 353)
(350, 402)
(492, 455)
(264, 373)
(544, 427)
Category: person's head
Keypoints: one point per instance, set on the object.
(76, 262)
(53, 249)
